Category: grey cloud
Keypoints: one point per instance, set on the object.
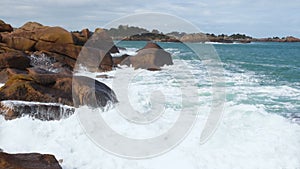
(253, 17)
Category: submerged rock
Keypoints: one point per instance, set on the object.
(28, 161)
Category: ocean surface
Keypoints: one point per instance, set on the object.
(259, 128)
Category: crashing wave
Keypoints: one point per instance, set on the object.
(12, 109)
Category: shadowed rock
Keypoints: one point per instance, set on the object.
(4, 27)
(17, 60)
(28, 161)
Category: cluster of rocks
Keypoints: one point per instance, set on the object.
(36, 66)
(56, 42)
(28, 79)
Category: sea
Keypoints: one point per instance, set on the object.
(258, 126)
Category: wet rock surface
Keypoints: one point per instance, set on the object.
(28, 161)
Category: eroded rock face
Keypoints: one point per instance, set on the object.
(151, 57)
(28, 161)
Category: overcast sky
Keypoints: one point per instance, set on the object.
(258, 18)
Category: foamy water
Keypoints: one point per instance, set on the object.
(248, 136)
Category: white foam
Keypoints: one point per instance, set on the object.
(12, 103)
(219, 43)
(128, 51)
(248, 136)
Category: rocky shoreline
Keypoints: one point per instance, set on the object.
(38, 67)
(37, 63)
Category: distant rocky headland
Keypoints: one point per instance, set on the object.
(131, 33)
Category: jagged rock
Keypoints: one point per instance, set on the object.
(17, 60)
(4, 27)
(28, 161)
(151, 57)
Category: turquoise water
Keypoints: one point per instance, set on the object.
(260, 74)
(258, 129)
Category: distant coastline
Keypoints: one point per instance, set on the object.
(131, 33)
